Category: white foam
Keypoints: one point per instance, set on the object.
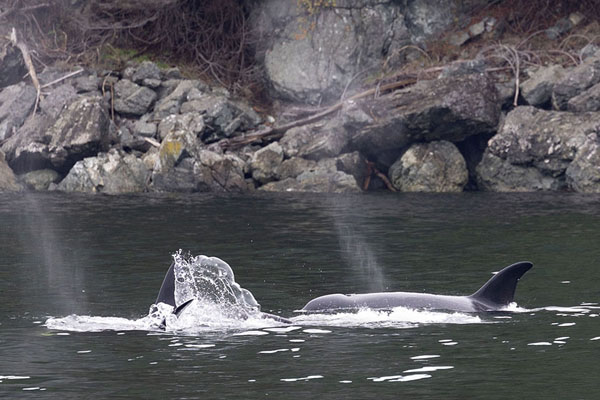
(595, 338)
(273, 351)
(14, 377)
(400, 378)
(567, 324)
(425, 357)
(316, 331)
(306, 378)
(539, 344)
(428, 369)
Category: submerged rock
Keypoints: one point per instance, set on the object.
(430, 167)
(40, 179)
(110, 173)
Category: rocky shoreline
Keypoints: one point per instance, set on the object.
(146, 129)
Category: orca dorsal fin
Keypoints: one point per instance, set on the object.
(166, 294)
(500, 289)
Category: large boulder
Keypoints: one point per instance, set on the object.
(81, 130)
(430, 167)
(576, 81)
(583, 174)
(589, 100)
(8, 181)
(16, 103)
(316, 141)
(537, 90)
(265, 162)
(40, 179)
(451, 109)
(533, 149)
(313, 52)
(110, 173)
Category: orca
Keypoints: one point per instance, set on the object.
(494, 295)
(166, 295)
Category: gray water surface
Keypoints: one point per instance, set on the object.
(101, 258)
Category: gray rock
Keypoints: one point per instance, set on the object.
(537, 90)
(533, 149)
(173, 73)
(86, 84)
(16, 103)
(499, 175)
(132, 99)
(110, 173)
(177, 145)
(316, 61)
(354, 164)
(293, 167)
(315, 141)
(131, 141)
(264, 163)
(192, 122)
(209, 172)
(143, 128)
(449, 109)
(430, 167)
(586, 101)
(324, 176)
(220, 173)
(57, 100)
(82, 130)
(583, 174)
(170, 101)
(576, 81)
(146, 70)
(8, 181)
(40, 179)
(316, 181)
(180, 178)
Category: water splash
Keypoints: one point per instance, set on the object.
(220, 304)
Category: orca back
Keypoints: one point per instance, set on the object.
(500, 289)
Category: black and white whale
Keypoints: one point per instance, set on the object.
(166, 295)
(496, 294)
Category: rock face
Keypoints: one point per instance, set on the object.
(430, 167)
(8, 181)
(583, 174)
(16, 103)
(451, 109)
(82, 130)
(310, 58)
(534, 148)
(132, 99)
(109, 173)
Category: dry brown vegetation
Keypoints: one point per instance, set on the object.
(212, 39)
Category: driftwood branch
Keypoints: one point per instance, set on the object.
(69, 75)
(27, 58)
(276, 132)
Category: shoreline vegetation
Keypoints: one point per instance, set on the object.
(299, 96)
